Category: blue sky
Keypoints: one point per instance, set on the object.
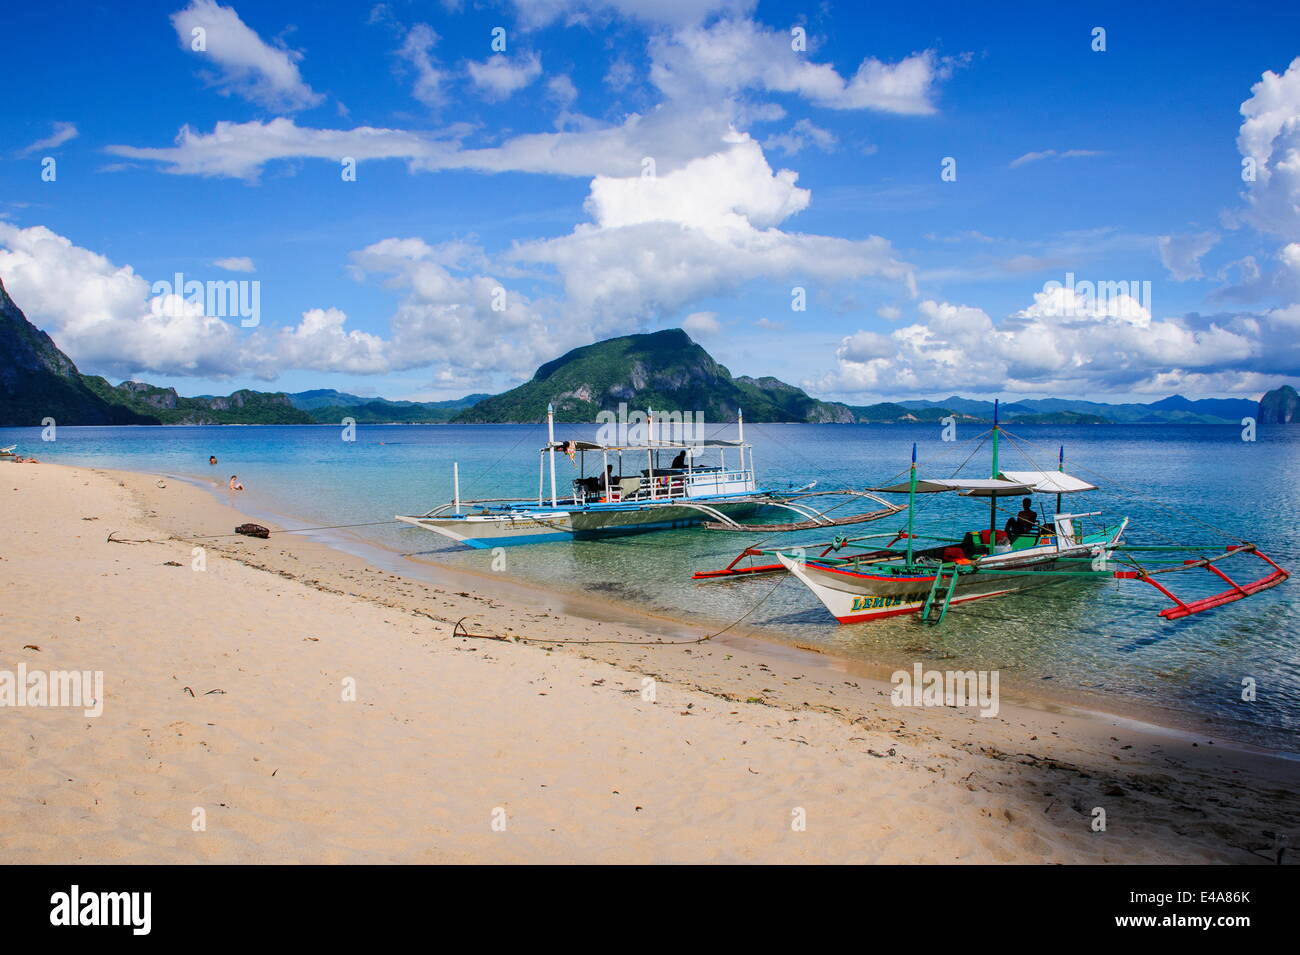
(501, 212)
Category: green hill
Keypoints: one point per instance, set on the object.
(165, 406)
(38, 381)
(663, 370)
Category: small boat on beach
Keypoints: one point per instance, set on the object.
(870, 577)
(635, 488)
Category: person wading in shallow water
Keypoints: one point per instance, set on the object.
(234, 483)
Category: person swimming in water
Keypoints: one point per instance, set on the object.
(212, 459)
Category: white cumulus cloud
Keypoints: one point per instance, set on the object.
(1269, 142)
(62, 133)
(1063, 342)
(657, 244)
(1181, 254)
(501, 76)
(702, 324)
(104, 316)
(416, 52)
(246, 65)
(736, 54)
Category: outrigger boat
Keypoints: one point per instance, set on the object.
(684, 483)
(860, 579)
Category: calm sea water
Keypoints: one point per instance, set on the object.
(1102, 637)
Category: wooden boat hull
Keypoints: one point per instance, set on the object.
(856, 596)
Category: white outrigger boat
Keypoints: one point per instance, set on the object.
(673, 484)
(860, 579)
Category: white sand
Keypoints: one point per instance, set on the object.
(444, 732)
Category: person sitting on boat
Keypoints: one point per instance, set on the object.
(1024, 523)
(679, 462)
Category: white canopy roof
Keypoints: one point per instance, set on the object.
(979, 486)
(1049, 482)
(658, 446)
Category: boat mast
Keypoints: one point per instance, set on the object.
(1060, 467)
(740, 425)
(650, 454)
(550, 441)
(455, 484)
(911, 504)
(993, 495)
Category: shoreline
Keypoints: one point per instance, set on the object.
(1177, 724)
(465, 725)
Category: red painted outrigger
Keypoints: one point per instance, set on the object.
(943, 567)
(731, 570)
(1236, 591)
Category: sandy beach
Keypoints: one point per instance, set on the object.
(304, 706)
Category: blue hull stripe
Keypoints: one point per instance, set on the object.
(483, 543)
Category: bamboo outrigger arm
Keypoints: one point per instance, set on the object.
(813, 518)
(1235, 590)
(482, 502)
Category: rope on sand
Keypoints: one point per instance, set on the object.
(203, 537)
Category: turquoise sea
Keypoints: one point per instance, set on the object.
(1102, 638)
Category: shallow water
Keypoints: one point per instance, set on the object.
(1102, 636)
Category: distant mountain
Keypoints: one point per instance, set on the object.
(889, 412)
(38, 381)
(165, 406)
(328, 406)
(661, 370)
(970, 406)
(1061, 417)
(329, 398)
(1279, 406)
(1174, 409)
(324, 398)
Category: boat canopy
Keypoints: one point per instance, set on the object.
(658, 446)
(981, 486)
(1044, 482)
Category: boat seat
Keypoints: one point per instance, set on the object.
(977, 542)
